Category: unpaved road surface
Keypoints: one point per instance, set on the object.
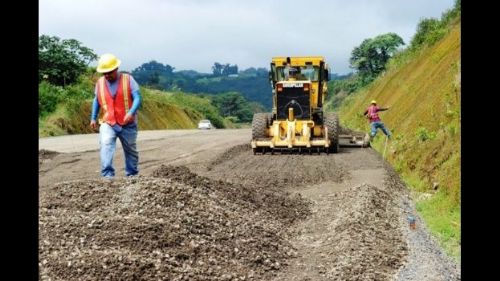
(205, 208)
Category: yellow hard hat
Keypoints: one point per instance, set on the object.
(374, 101)
(107, 63)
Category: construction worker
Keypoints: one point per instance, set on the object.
(118, 95)
(375, 123)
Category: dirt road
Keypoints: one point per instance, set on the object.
(206, 208)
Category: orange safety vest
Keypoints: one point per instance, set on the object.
(115, 109)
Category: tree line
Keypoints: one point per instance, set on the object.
(64, 68)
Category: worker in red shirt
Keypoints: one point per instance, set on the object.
(375, 123)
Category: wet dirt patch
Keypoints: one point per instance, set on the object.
(45, 155)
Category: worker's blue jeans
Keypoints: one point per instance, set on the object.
(376, 125)
(128, 137)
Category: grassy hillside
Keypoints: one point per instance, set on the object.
(159, 110)
(423, 94)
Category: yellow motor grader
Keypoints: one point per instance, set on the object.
(297, 121)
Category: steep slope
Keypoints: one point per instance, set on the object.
(424, 99)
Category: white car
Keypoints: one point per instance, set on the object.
(205, 124)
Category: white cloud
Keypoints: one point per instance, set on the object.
(193, 34)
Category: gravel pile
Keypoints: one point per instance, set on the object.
(280, 171)
(367, 244)
(173, 226)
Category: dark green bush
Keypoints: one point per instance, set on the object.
(48, 98)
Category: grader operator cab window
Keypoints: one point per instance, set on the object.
(308, 72)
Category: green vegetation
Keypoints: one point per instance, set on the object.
(200, 104)
(224, 69)
(233, 105)
(66, 89)
(148, 74)
(422, 86)
(66, 109)
(251, 83)
(161, 110)
(61, 62)
(69, 113)
(430, 30)
(339, 89)
(370, 58)
(442, 215)
(61, 108)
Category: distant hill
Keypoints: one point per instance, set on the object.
(252, 83)
(335, 76)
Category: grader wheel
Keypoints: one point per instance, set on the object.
(259, 125)
(331, 121)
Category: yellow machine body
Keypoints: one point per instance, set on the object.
(297, 119)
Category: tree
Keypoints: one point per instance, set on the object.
(425, 29)
(370, 57)
(217, 69)
(150, 73)
(233, 104)
(154, 66)
(224, 69)
(230, 69)
(62, 61)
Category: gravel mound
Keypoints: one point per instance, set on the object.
(238, 164)
(230, 153)
(367, 244)
(172, 226)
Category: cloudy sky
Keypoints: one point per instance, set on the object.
(193, 34)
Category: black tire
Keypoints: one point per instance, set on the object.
(269, 120)
(331, 121)
(259, 126)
